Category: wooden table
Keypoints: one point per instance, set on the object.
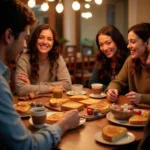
(83, 136)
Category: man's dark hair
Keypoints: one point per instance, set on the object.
(16, 16)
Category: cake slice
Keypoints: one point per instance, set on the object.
(51, 119)
(89, 101)
(56, 102)
(138, 120)
(72, 105)
(112, 133)
(78, 97)
(102, 106)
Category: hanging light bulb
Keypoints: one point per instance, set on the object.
(98, 2)
(51, 0)
(87, 6)
(44, 6)
(76, 5)
(31, 3)
(59, 7)
(88, 0)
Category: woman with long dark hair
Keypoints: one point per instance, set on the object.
(135, 74)
(42, 67)
(110, 57)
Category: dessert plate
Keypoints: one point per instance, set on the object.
(82, 121)
(71, 93)
(102, 95)
(124, 140)
(111, 118)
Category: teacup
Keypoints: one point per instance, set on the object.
(77, 88)
(38, 115)
(97, 88)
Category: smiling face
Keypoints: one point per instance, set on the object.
(45, 42)
(107, 45)
(136, 46)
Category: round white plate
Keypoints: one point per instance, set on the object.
(102, 95)
(111, 118)
(71, 93)
(82, 121)
(124, 140)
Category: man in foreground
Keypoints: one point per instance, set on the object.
(16, 20)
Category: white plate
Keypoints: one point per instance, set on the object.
(124, 140)
(102, 95)
(82, 121)
(71, 93)
(111, 118)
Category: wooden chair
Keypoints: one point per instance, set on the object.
(86, 49)
(84, 71)
(70, 56)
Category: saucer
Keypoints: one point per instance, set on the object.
(71, 93)
(102, 95)
(37, 126)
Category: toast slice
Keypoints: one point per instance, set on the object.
(72, 105)
(89, 101)
(51, 119)
(23, 109)
(56, 102)
(112, 133)
(102, 106)
(138, 120)
(78, 97)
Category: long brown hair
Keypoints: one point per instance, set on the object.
(121, 54)
(53, 54)
(142, 30)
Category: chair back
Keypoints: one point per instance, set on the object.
(86, 68)
(70, 56)
(86, 49)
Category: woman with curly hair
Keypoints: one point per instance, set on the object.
(110, 57)
(42, 67)
(135, 73)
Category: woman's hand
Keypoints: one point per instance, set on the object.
(133, 97)
(112, 95)
(24, 77)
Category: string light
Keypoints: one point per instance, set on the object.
(31, 3)
(76, 5)
(98, 2)
(87, 6)
(44, 6)
(59, 7)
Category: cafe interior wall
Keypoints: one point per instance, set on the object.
(114, 12)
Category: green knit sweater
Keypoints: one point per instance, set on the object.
(139, 82)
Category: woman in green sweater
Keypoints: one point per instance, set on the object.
(42, 67)
(135, 73)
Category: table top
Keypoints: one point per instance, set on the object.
(83, 136)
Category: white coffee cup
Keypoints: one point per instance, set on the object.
(38, 115)
(97, 88)
(77, 88)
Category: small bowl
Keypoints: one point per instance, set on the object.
(120, 114)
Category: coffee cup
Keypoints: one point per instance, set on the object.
(97, 88)
(77, 88)
(38, 115)
(57, 92)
